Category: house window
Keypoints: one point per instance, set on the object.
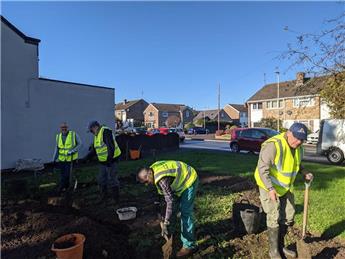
(268, 104)
(151, 114)
(165, 114)
(257, 106)
(280, 103)
(274, 104)
(304, 101)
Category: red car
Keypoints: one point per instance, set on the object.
(250, 139)
(152, 132)
(164, 131)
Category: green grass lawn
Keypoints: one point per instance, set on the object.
(327, 198)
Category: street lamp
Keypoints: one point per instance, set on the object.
(277, 73)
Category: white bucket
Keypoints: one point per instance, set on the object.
(127, 213)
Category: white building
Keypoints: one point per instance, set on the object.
(32, 107)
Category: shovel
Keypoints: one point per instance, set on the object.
(303, 249)
(167, 247)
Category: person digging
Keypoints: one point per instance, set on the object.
(279, 163)
(178, 182)
(108, 153)
(67, 145)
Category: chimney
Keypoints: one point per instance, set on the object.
(124, 101)
(300, 77)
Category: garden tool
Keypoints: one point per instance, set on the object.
(72, 176)
(303, 249)
(168, 246)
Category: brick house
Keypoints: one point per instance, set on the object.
(162, 115)
(212, 115)
(299, 100)
(238, 113)
(131, 112)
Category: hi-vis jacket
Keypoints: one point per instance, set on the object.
(184, 175)
(285, 168)
(101, 148)
(69, 144)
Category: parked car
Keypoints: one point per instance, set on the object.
(332, 140)
(250, 139)
(180, 133)
(164, 131)
(197, 130)
(313, 138)
(152, 132)
(139, 130)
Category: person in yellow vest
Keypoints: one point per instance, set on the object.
(279, 163)
(178, 182)
(67, 146)
(108, 152)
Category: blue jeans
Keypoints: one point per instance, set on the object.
(65, 168)
(187, 218)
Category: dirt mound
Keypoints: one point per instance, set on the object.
(33, 237)
(234, 183)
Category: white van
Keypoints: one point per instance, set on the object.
(332, 140)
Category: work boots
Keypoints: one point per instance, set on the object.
(184, 252)
(282, 233)
(273, 235)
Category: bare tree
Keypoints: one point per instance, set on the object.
(323, 55)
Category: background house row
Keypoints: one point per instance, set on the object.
(154, 115)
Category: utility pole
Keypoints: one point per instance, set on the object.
(277, 73)
(218, 106)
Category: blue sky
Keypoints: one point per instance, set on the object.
(172, 52)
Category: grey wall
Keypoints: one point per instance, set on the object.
(32, 108)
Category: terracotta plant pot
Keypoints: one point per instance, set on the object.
(75, 251)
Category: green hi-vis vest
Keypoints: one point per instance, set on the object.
(69, 144)
(101, 148)
(184, 175)
(286, 166)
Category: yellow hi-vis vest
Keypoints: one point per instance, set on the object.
(184, 175)
(101, 148)
(69, 144)
(285, 168)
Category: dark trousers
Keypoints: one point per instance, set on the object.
(65, 168)
(108, 176)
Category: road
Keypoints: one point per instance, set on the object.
(309, 150)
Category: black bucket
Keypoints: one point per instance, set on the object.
(246, 217)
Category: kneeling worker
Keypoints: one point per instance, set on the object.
(178, 182)
(279, 163)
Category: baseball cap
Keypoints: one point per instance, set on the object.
(92, 124)
(299, 130)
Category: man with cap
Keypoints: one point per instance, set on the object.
(178, 182)
(108, 153)
(279, 163)
(67, 146)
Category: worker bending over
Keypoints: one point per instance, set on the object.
(178, 182)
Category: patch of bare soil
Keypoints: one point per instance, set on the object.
(31, 232)
(256, 246)
(234, 183)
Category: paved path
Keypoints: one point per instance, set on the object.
(309, 155)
